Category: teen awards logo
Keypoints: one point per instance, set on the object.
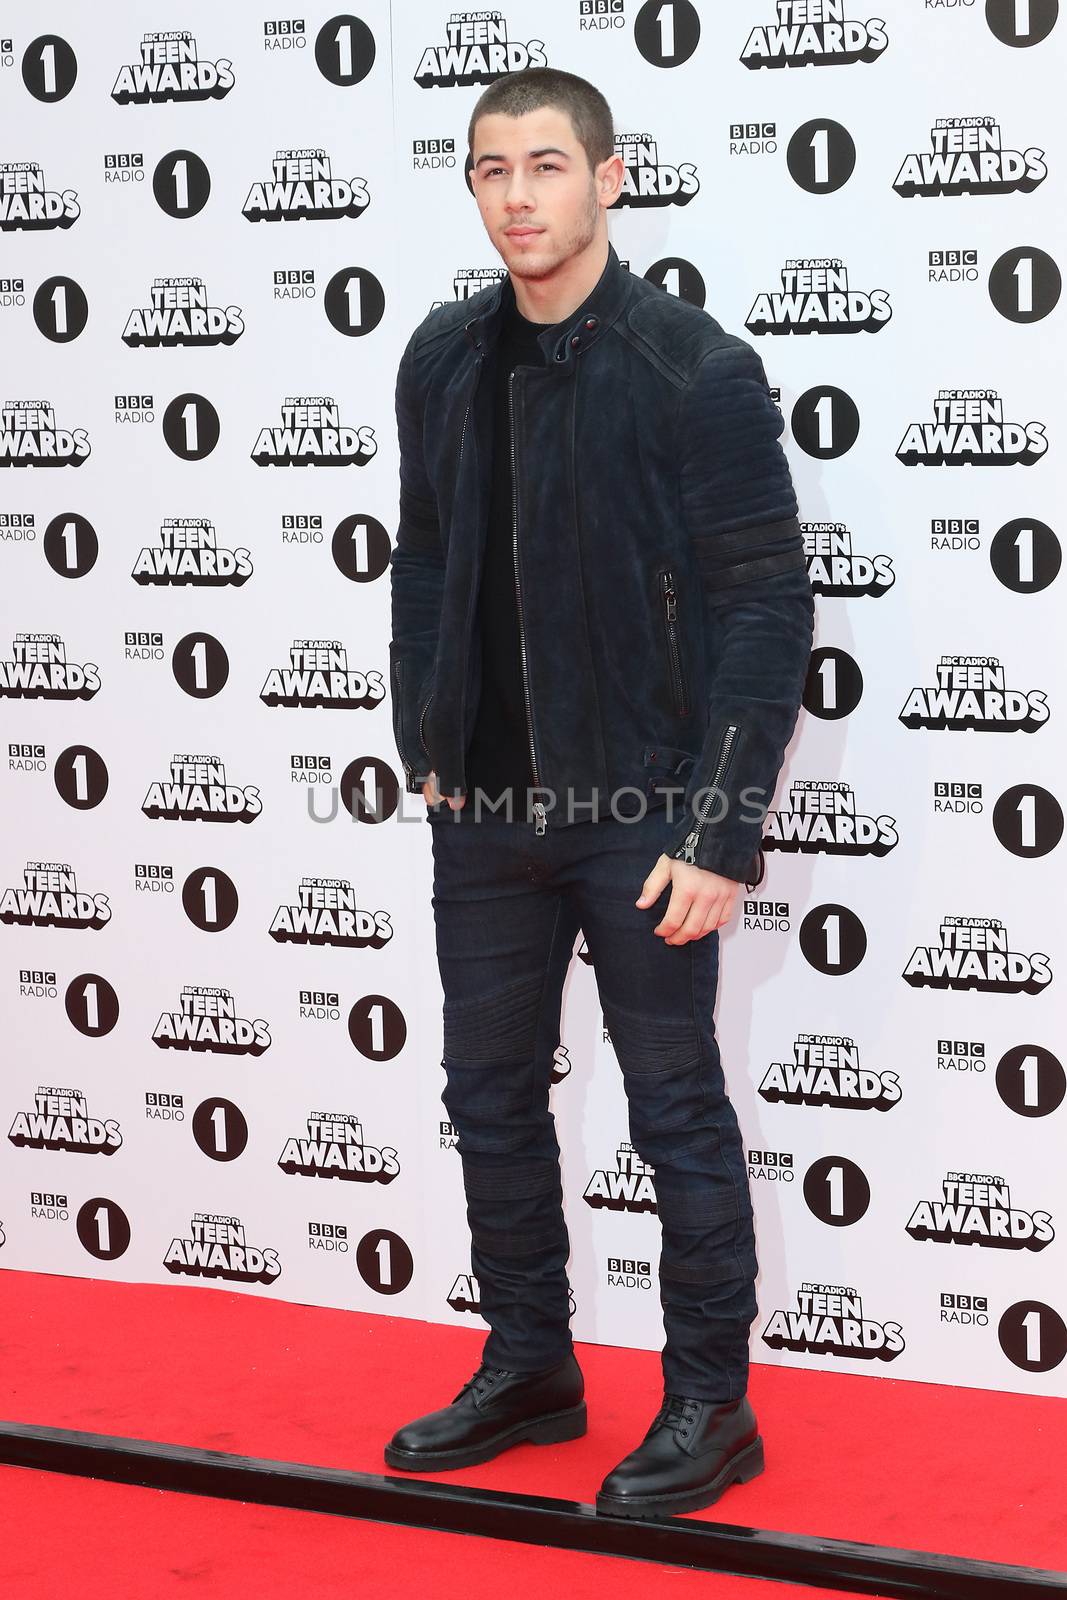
(969, 429)
(815, 298)
(179, 313)
(469, 281)
(170, 68)
(327, 912)
(649, 182)
(29, 437)
(974, 954)
(27, 203)
(829, 1321)
(821, 819)
(628, 1188)
(197, 791)
(215, 1248)
(318, 674)
(477, 49)
(967, 156)
(302, 188)
(38, 669)
(820, 35)
(207, 1019)
(189, 555)
(834, 568)
(972, 692)
(825, 1071)
(335, 1148)
(49, 897)
(976, 1208)
(465, 1294)
(60, 1120)
(312, 434)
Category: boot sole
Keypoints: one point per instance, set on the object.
(556, 1428)
(747, 1464)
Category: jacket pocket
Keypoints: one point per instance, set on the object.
(673, 642)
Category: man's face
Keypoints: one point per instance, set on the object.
(538, 199)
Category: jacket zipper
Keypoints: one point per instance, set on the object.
(538, 805)
(422, 723)
(674, 654)
(693, 837)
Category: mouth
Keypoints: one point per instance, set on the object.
(522, 233)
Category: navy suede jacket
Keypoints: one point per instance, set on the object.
(666, 615)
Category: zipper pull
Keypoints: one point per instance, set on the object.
(669, 596)
(540, 817)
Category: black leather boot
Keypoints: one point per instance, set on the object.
(694, 1450)
(494, 1410)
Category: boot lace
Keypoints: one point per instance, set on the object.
(678, 1413)
(482, 1381)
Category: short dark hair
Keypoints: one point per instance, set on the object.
(517, 93)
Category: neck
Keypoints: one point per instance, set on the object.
(552, 298)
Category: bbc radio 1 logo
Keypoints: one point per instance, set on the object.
(648, 181)
(627, 1187)
(815, 297)
(28, 205)
(60, 1120)
(627, 1272)
(974, 954)
(820, 818)
(334, 1147)
(216, 1247)
(477, 49)
(317, 674)
(826, 1071)
(327, 913)
(976, 1208)
(433, 154)
(197, 791)
(969, 429)
(312, 434)
(598, 16)
(30, 437)
(302, 188)
(971, 692)
(829, 1320)
(171, 69)
(49, 897)
(967, 155)
(188, 555)
(206, 1019)
(805, 35)
(38, 669)
(771, 1166)
(180, 313)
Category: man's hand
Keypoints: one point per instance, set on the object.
(432, 796)
(700, 902)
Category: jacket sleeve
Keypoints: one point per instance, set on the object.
(758, 609)
(417, 573)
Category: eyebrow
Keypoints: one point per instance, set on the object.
(549, 150)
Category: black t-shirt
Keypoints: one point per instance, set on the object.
(498, 757)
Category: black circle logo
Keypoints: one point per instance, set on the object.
(210, 899)
(80, 776)
(1030, 1080)
(91, 1004)
(836, 1191)
(384, 1261)
(833, 939)
(103, 1228)
(219, 1129)
(181, 183)
(60, 309)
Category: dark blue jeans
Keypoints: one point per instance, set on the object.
(507, 908)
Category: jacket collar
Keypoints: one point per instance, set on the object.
(583, 327)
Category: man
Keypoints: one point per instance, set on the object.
(602, 622)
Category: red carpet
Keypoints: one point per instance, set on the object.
(966, 1472)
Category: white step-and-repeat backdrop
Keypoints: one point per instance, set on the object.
(221, 1009)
